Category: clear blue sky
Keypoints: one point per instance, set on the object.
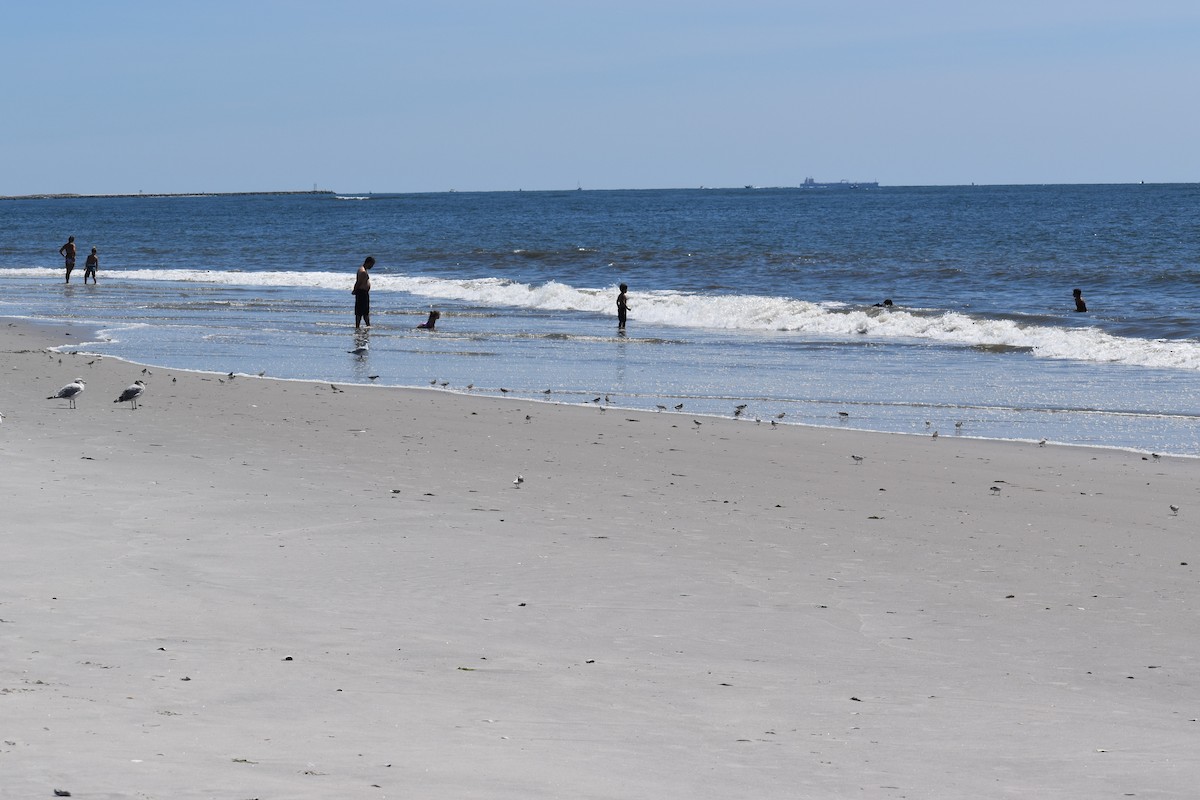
(368, 95)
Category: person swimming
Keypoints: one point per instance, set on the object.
(431, 323)
(1080, 305)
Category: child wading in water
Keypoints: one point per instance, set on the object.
(89, 266)
(622, 307)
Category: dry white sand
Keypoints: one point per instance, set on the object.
(260, 589)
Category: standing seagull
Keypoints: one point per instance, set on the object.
(132, 393)
(69, 392)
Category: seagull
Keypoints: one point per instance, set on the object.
(70, 391)
(857, 459)
(1174, 510)
(359, 351)
(517, 481)
(132, 393)
(1, 417)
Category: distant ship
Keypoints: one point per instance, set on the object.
(809, 183)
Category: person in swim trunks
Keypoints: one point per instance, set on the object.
(90, 266)
(67, 251)
(362, 294)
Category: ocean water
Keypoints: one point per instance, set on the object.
(762, 297)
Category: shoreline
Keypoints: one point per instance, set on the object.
(97, 328)
(290, 588)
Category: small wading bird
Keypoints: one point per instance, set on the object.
(1174, 510)
(69, 392)
(857, 459)
(517, 481)
(132, 393)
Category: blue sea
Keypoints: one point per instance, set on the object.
(756, 296)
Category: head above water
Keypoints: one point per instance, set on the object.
(1077, 292)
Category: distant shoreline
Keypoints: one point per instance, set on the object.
(68, 196)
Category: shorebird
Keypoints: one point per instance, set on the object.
(503, 390)
(781, 415)
(737, 411)
(857, 459)
(360, 351)
(1042, 443)
(958, 424)
(935, 434)
(1174, 510)
(1155, 456)
(774, 423)
(545, 391)
(132, 393)
(697, 422)
(372, 377)
(843, 413)
(679, 406)
(517, 481)
(660, 407)
(995, 490)
(70, 391)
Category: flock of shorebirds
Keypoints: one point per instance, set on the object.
(132, 393)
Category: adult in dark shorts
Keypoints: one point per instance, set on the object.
(362, 294)
(67, 251)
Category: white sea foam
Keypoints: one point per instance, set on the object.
(732, 312)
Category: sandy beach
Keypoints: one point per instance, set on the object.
(250, 588)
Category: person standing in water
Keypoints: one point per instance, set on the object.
(67, 251)
(362, 294)
(1079, 304)
(622, 307)
(90, 266)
